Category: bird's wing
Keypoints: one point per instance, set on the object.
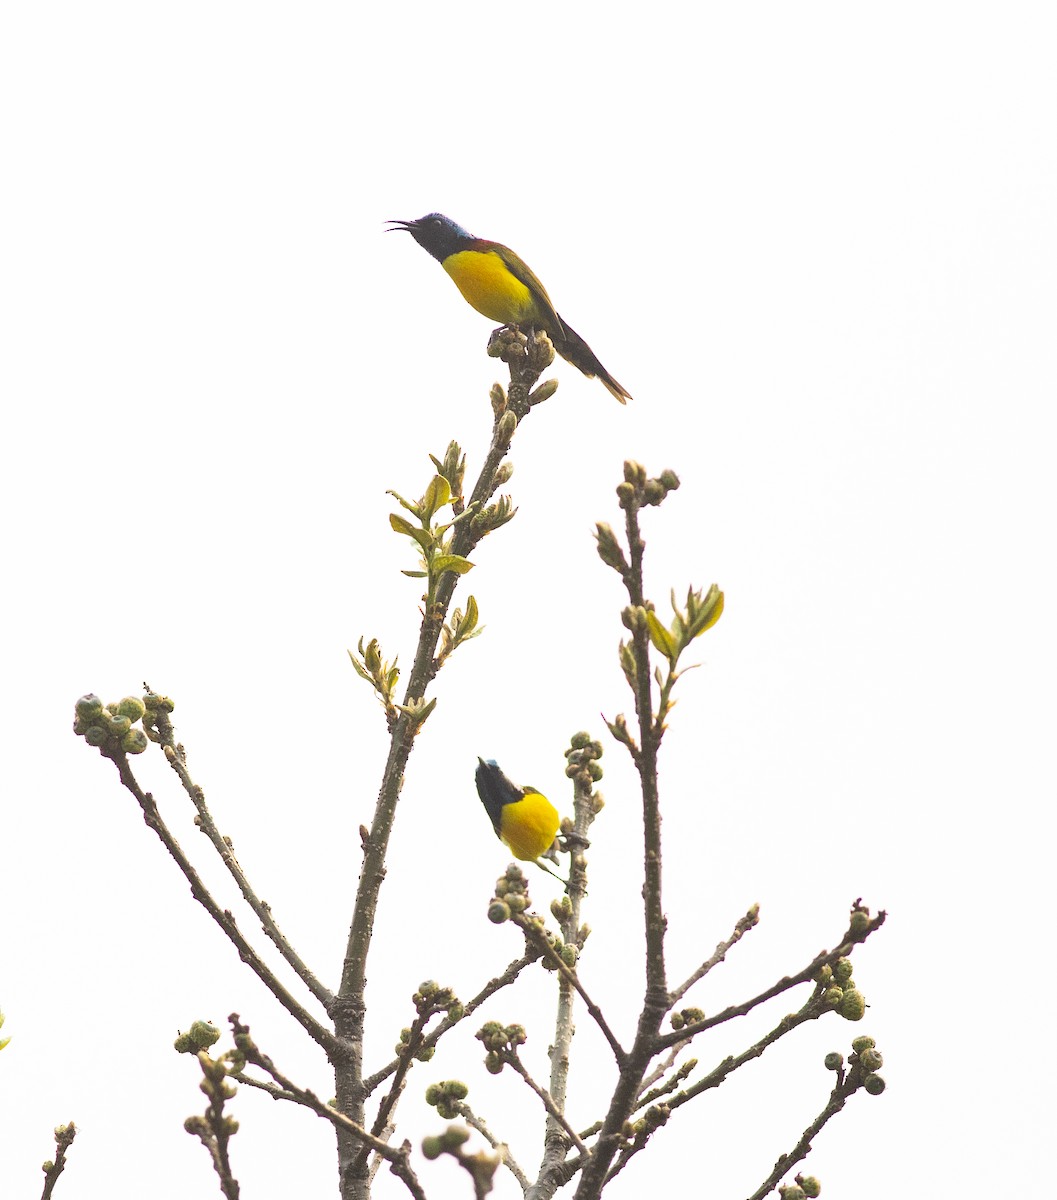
(520, 270)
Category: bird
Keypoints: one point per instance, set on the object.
(521, 817)
(494, 280)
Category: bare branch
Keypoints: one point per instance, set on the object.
(743, 926)
(783, 985)
(316, 1031)
(535, 934)
(476, 1122)
(511, 1059)
(223, 846)
(398, 1158)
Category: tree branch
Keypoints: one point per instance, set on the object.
(178, 761)
(316, 1031)
(743, 926)
(64, 1136)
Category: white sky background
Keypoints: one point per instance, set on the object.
(817, 245)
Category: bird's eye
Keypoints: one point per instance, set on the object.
(438, 222)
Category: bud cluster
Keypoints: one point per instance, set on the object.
(511, 895)
(114, 728)
(638, 490)
(582, 761)
(200, 1036)
(501, 1043)
(446, 1096)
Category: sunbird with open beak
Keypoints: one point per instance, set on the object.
(498, 284)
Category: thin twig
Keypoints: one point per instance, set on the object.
(776, 989)
(214, 1130)
(837, 1099)
(651, 730)
(509, 1161)
(398, 1158)
(263, 1085)
(512, 1060)
(64, 1136)
(316, 1031)
(223, 847)
(490, 988)
(536, 935)
(743, 926)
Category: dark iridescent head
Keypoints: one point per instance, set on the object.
(436, 233)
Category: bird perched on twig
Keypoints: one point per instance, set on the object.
(494, 280)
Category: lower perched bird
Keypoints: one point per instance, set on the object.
(497, 283)
(521, 817)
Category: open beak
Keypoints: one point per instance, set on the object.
(406, 226)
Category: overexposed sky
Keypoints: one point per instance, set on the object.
(817, 245)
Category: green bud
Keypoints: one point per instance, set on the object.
(810, 1184)
(135, 742)
(792, 1191)
(95, 735)
(609, 550)
(842, 970)
(131, 707)
(861, 1043)
(432, 1147)
(493, 1063)
(874, 1085)
(503, 475)
(88, 706)
(670, 480)
(506, 427)
(203, 1034)
(833, 1061)
(544, 392)
(498, 912)
(834, 995)
(118, 726)
(625, 495)
(860, 921)
(824, 974)
(852, 1006)
(654, 491)
(871, 1060)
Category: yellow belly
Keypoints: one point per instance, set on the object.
(528, 826)
(488, 286)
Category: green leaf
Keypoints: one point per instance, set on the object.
(411, 508)
(469, 621)
(414, 574)
(451, 562)
(437, 495)
(401, 525)
(660, 636)
(363, 674)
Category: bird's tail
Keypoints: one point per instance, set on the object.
(572, 347)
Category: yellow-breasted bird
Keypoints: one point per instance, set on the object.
(497, 283)
(526, 821)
